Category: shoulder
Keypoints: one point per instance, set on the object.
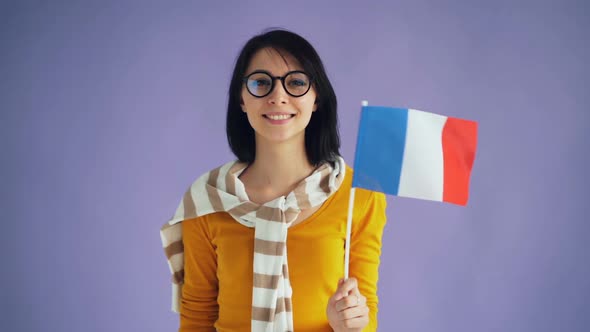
(195, 201)
(362, 197)
(367, 203)
(369, 216)
(206, 221)
(369, 206)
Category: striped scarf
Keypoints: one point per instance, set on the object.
(221, 190)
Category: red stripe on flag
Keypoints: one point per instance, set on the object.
(459, 142)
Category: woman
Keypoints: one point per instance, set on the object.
(290, 188)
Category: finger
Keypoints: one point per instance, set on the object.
(350, 301)
(356, 323)
(356, 291)
(356, 312)
(348, 285)
(337, 295)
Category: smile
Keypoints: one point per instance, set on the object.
(279, 117)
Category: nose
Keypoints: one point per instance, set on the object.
(278, 95)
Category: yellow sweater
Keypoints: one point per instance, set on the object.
(217, 292)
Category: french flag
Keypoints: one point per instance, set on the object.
(411, 153)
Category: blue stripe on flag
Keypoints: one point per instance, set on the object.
(380, 149)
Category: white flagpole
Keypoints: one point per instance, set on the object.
(348, 227)
(349, 222)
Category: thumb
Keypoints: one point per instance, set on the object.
(335, 297)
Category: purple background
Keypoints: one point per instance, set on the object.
(110, 110)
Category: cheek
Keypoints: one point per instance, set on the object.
(250, 102)
(313, 98)
(307, 105)
(243, 97)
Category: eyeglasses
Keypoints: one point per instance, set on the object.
(261, 83)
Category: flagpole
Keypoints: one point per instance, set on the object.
(364, 103)
(348, 227)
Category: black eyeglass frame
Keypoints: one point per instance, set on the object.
(280, 78)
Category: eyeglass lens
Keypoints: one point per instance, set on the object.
(295, 83)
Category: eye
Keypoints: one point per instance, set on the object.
(297, 83)
(261, 82)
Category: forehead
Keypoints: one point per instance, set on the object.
(275, 61)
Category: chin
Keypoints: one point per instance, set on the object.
(283, 137)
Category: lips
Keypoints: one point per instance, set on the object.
(279, 116)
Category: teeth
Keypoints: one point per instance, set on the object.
(278, 117)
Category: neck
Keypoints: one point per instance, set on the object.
(278, 167)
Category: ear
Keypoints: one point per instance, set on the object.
(315, 106)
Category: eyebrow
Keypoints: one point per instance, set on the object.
(273, 75)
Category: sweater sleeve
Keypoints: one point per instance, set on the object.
(198, 308)
(366, 251)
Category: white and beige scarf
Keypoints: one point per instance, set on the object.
(221, 190)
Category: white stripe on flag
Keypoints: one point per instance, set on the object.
(422, 167)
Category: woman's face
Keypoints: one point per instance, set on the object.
(278, 116)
